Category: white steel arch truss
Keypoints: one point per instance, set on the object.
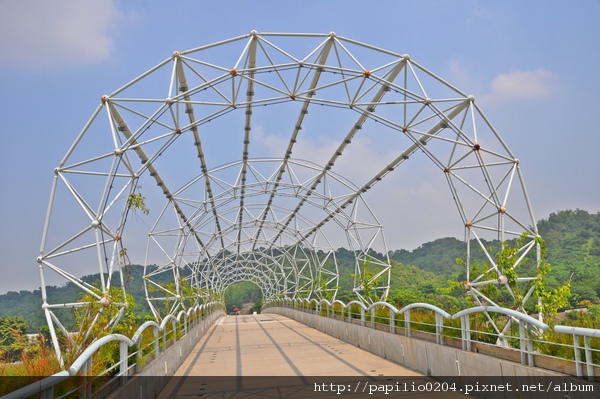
(185, 133)
(290, 254)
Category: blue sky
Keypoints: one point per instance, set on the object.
(531, 65)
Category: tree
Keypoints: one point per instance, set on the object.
(13, 339)
(367, 283)
(511, 292)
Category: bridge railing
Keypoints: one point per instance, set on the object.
(523, 343)
(147, 343)
(589, 350)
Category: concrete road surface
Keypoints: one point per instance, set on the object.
(271, 356)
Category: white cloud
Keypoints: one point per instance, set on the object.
(521, 85)
(39, 34)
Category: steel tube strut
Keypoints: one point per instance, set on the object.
(189, 109)
(151, 169)
(347, 140)
(251, 60)
(297, 127)
(390, 167)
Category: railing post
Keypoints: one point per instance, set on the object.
(392, 322)
(576, 348)
(465, 332)
(373, 317)
(123, 362)
(362, 316)
(407, 323)
(522, 341)
(86, 385)
(156, 345)
(439, 328)
(164, 338)
(174, 325)
(587, 341)
(138, 356)
(48, 393)
(84, 382)
(529, 346)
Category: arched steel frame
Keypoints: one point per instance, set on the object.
(268, 219)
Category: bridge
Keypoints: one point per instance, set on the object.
(298, 349)
(252, 159)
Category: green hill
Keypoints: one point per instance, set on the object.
(572, 237)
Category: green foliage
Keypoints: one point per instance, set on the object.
(320, 286)
(256, 307)
(367, 283)
(435, 257)
(585, 318)
(506, 259)
(24, 304)
(187, 294)
(98, 316)
(37, 360)
(573, 241)
(236, 295)
(12, 330)
(137, 201)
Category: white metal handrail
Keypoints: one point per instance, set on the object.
(528, 327)
(82, 365)
(587, 334)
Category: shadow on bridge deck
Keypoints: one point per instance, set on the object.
(269, 354)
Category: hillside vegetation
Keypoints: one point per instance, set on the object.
(572, 238)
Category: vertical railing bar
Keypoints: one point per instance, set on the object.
(522, 341)
(155, 342)
(123, 369)
(576, 349)
(588, 357)
(373, 317)
(439, 322)
(529, 346)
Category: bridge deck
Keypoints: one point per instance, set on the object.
(270, 346)
(273, 345)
